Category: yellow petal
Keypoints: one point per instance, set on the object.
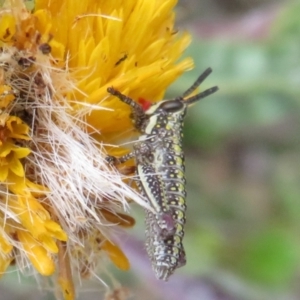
(6, 95)
(3, 172)
(37, 254)
(16, 166)
(18, 130)
(57, 50)
(5, 149)
(21, 152)
(48, 243)
(43, 21)
(5, 246)
(55, 230)
(116, 255)
(118, 218)
(37, 190)
(7, 27)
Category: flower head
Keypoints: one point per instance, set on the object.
(59, 198)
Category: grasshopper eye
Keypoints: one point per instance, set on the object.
(172, 106)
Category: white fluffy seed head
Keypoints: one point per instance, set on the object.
(64, 157)
(72, 164)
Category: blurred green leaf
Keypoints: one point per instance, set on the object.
(271, 257)
(202, 248)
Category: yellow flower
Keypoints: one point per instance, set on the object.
(6, 94)
(24, 219)
(12, 128)
(57, 122)
(10, 156)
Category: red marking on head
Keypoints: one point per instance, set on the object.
(144, 103)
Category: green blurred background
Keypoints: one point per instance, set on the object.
(242, 149)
